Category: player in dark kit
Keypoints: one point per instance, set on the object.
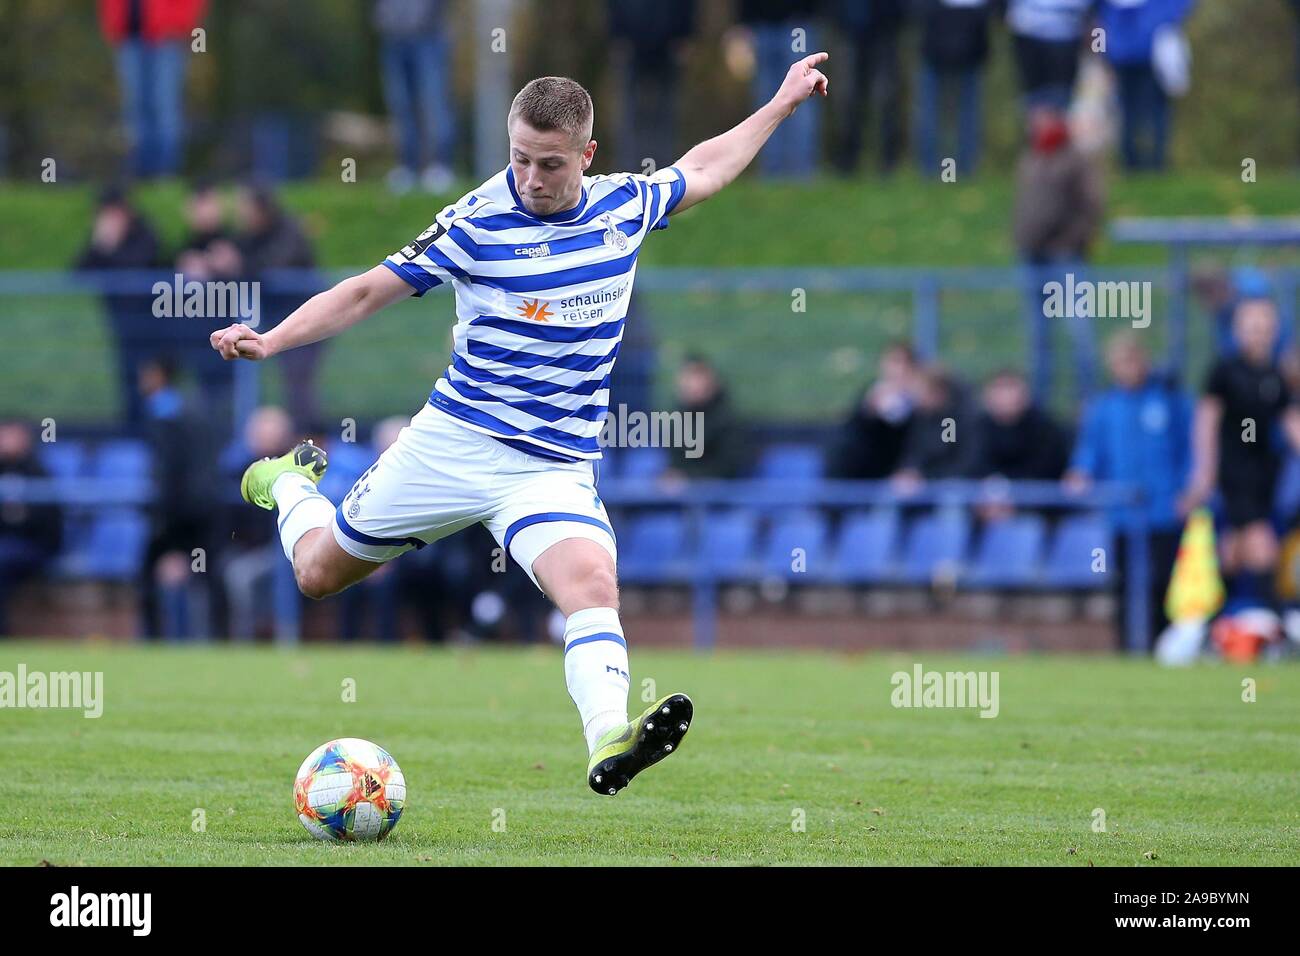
(1243, 421)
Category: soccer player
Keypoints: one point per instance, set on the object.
(1244, 423)
(541, 258)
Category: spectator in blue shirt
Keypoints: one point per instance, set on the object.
(1139, 432)
(1131, 28)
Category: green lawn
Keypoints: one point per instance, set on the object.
(783, 366)
(1181, 766)
(866, 221)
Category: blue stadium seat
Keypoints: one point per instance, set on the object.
(726, 548)
(642, 463)
(789, 462)
(64, 459)
(113, 546)
(1070, 558)
(122, 458)
(654, 548)
(1009, 553)
(799, 539)
(935, 541)
(867, 544)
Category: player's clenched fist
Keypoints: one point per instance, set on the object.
(239, 341)
(802, 81)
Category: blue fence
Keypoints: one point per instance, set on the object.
(767, 514)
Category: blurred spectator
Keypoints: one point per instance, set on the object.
(1017, 440)
(1138, 432)
(650, 34)
(1059, 196)
(208, 253)
(869, 444)
(794, 147)
(270, 239)
(151, 41)
(1048, 37)
(175, 598)
(30, 534)
(415, 53)
(1059, 205)
(954, 49)
(942, 438)
(1220, 291)
(205, 224)
(249, 563)
(869, 80)
(1140, 35)
(723, 442)
(1241, 421)
(122, 239)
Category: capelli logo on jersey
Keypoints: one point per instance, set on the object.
(534, 252)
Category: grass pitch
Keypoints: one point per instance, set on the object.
(1184, 770)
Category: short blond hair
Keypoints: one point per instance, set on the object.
(554, 103)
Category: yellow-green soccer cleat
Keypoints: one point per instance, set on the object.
(306, 459)
(623, 752)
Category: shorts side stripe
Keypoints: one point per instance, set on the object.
(546, 516)
(371, 539)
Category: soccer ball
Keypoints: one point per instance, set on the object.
(349, 790)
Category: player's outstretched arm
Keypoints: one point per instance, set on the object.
(714, 163)
(321, 316)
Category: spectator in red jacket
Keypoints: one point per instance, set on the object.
(151, 42)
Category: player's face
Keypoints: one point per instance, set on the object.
(1255, 325)
(548, 167)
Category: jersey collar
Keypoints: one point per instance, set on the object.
(564, 215)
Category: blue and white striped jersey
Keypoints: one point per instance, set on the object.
(540, 302)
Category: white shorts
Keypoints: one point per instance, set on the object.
(440, 476)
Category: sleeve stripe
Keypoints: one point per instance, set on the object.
(414, 276)
(678, 190)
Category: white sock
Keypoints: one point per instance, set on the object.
(302, 507)
(595, 669)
